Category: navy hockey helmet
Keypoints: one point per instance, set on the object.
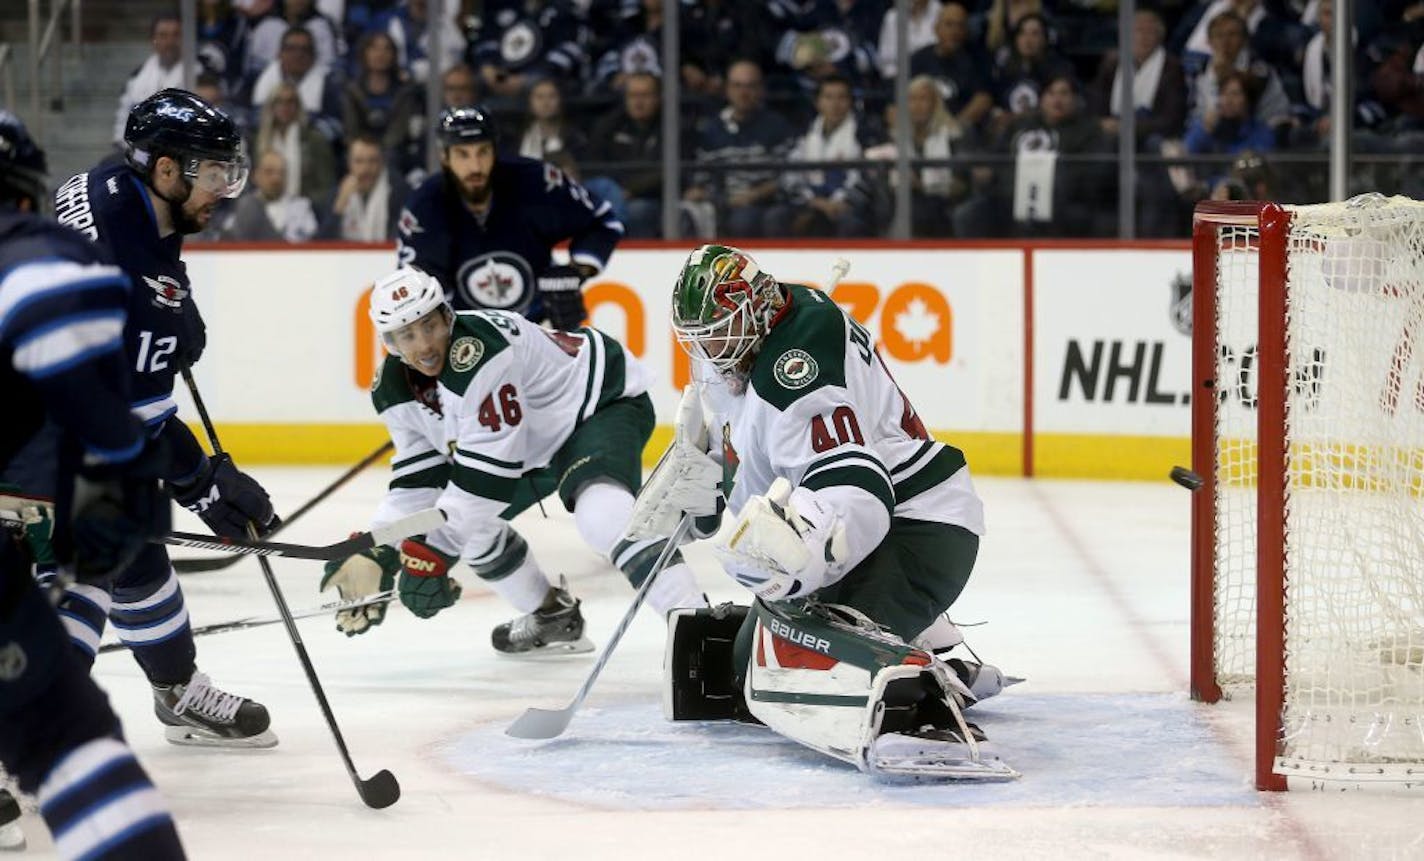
(22, 162)
(465, 125)
(187, 128)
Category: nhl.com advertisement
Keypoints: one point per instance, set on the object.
(1054, 361)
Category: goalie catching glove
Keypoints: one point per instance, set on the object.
(786, 544)
(357, 576)
(227, 500)
(426, 586)
(686, 479)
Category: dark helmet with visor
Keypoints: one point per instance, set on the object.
(203, 140)
(22, 163)
(465, 126)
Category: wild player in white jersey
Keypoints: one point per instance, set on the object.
(490, 413)
(855, 529)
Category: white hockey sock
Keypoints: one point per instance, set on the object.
(675, 587)
(601, 514)
(524, 587)
(941, 636)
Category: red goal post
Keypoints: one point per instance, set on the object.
(1308, 529)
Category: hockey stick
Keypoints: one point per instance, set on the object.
(217, 563)
(379, 790)
(537, 723)
(259, 621)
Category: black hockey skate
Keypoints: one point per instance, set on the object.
(199, 713)
(11, 837)
(558, 631)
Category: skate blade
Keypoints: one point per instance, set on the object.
(12, 839)
(191, 736)
(581, 646)
(895, 755)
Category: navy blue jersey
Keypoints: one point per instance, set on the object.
(494, 263)
(110, 206)
(61, 340)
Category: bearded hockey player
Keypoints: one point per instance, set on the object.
(854, 528)
(490, 413)
(485, 227)
(62, 309)
(182, 156)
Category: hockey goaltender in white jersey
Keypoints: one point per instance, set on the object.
(855, 530)
(490, 413)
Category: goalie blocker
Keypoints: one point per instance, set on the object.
(828, 678)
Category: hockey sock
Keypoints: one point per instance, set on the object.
(153, 623)
(84, 610)
(99, 803)
(510, 570)
(601, 514)
(675, 586)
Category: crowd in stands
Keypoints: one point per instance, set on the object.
(1013, 107)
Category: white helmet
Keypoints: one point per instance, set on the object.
(403, 297)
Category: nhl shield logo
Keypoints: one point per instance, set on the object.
(465, 353)
(1181, 307)
(795, 369)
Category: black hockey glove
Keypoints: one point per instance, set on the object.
(116, 510)
(227, 500)
(193, 337)
(561, 291)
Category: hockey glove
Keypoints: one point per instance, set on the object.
(113, 519)
(686, 479)
(37, 521)
(783, 545)
(357, 576)
(193, 337)
(227, 500)
(561, 292)
(426, 586)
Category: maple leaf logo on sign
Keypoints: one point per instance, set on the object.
(917, 323)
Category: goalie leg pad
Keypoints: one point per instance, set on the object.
(836, 684)
(699, 667)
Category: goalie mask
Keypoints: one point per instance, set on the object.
(409, 310)
(723, 306)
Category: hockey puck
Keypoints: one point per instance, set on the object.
(1186, 478)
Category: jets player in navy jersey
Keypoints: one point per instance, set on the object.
(182, 156)
(62, 310)
(485, 227)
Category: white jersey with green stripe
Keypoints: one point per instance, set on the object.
(821, 410)
(510, 395)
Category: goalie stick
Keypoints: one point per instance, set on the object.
(259, 621)
(537, 723)
(380, 789)
(217, 563)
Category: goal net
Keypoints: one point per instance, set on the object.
(1308, 532)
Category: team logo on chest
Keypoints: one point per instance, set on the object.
(167, 292)
(795, 369)
(498, 280)
(465, 353)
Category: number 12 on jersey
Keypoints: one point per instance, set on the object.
(153, 352)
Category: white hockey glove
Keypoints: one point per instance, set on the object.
(686, 479)
(783, 545)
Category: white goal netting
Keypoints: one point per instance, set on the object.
(1354, 510)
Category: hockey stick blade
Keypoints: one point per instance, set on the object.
(414, 524)
(379, 790)
(539, 724)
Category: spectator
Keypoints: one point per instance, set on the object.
(743, 131)
(1273, 38)
(222, 42)
(367, 202)
(1027, 67)
(1002, 21)
(1229, 52)
(924, 18)
(296, 66)
(210, 87)
(378, 101)
(639, 50)
(268, 35)
(522, 41)
(459, 87)
(632, 136)
(821, 201)
(409, 26)
(548, 130)
(268, 213)
(934, 135)
(958, 70)
(160, 71)
(714, 34)
(306, 153)
(818, 40)
(1231, 127)
(1397, 83)
(1159, 90)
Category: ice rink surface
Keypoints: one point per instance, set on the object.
(1082, 587)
